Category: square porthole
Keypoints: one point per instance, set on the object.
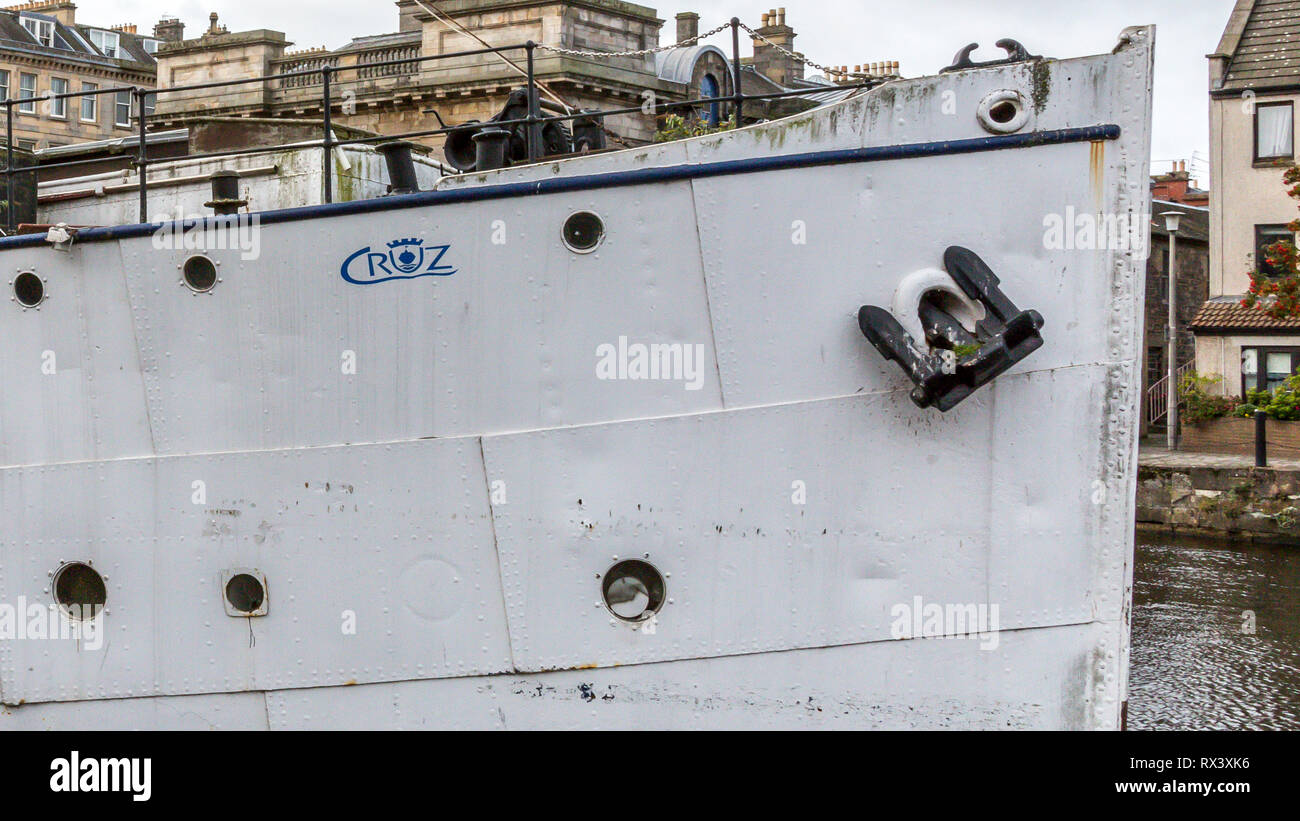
(244, 592)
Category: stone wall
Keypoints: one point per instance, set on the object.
(1245, 504)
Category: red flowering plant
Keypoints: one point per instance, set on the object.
(1278, 294)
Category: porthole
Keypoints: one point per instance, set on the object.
(29, 289)
(200, 274)
(79, 590)
(583, 232)
(1004, 112)
(245, 594)
(633, 590)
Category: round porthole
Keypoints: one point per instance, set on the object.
(1004, 112)
(79, 590)
(633, 590)
(200, 274)
(29, 289)
(245, 593)
(583, 232)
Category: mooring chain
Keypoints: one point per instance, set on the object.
(799, 57)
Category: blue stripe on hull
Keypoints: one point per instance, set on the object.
(615, 179)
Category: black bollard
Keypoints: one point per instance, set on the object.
(401, 168)
(1261, 439)
(490, 148)
(225, 193)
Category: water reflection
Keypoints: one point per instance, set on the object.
(1193, 665)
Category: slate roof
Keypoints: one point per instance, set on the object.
(71, 42)
(1225, 314)
(1265, 51)
(1195, 225)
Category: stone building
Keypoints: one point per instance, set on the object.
(398, 98)
(404, 96)
(44, 50)
(1254, 87)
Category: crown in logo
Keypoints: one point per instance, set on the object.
(398, 243)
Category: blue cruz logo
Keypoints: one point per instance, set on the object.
(404, 259)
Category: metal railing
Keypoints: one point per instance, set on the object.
(322, 71)
(1158, 394)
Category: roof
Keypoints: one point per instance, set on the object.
(1195, 225)
(1226, 314)
(678, 65)
(1262, 42)
(71, 42)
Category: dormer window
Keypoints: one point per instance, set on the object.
(42, 30)
(150, 46)
(105, 41)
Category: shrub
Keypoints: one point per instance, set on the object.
(1199, 405)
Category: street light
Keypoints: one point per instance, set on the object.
(1172, 219)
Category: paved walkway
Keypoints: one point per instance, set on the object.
(1159, 457)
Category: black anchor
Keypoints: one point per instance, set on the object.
(944, 378)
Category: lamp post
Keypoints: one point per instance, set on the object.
(1172, 219)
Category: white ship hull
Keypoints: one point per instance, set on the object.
(433, 525)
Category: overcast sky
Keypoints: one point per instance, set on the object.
(921, 34)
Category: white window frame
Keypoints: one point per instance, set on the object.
(100, 38)
(91, 101)
(59, 106)
(150, 46)
(117, 108)
(40, 30)
(4, 73)
(27, 95)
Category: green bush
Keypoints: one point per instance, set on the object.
(676, 127)
(1198, 404)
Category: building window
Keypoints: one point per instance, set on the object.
(89, 104)
(150, 46)
(58, 105)
(27, 93)
(42, 30)
(1267, 236)
(106, 41)
(1274, 132)
(1265, 369)
(4, 85)
(122, 109)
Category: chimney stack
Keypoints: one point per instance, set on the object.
(769, 61)
(169, 30)
(688, 26)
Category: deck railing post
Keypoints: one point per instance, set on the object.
(532, 129)
(142, 155)
(327, 170)
(9, 166)
(739, 95)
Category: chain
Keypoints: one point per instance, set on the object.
(800, 57)
(689, 41)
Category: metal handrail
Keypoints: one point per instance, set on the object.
(533, 122)
(1158, 394)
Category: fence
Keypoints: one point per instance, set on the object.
(312, 71)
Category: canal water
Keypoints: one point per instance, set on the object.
(1216, 636)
